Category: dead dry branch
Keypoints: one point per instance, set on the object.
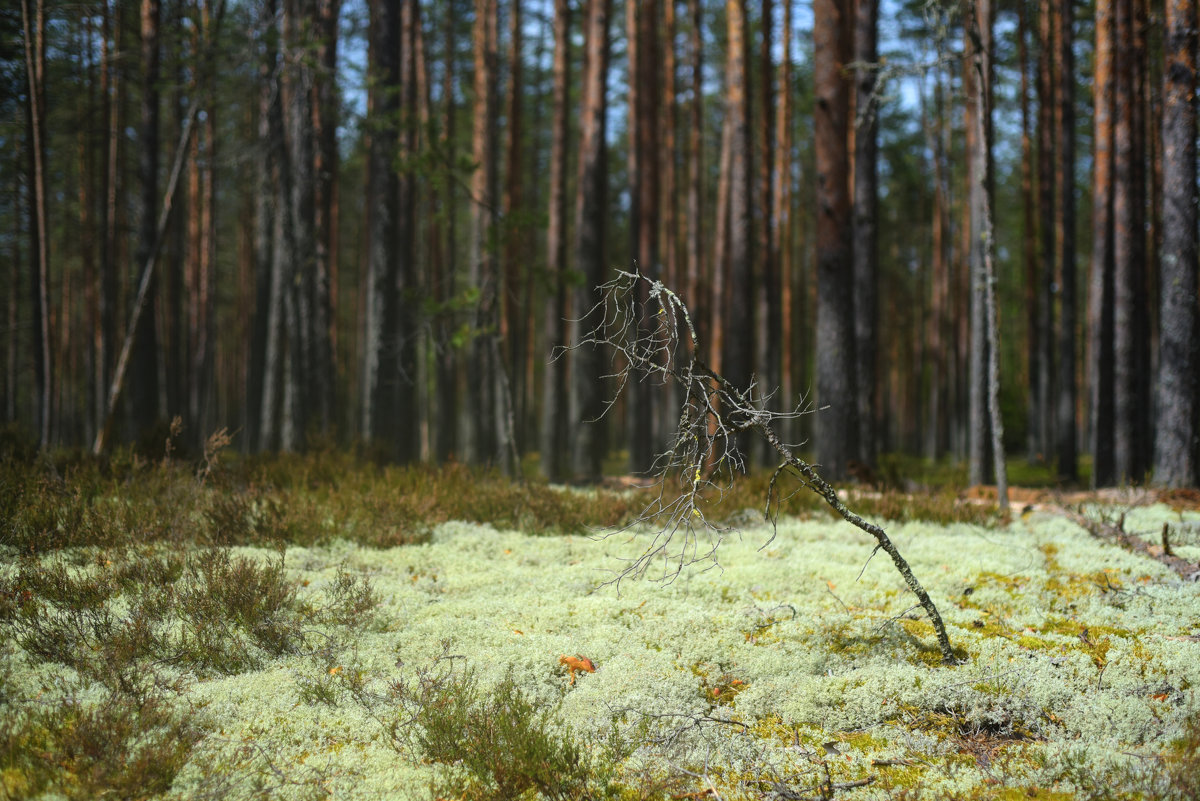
(655, 340)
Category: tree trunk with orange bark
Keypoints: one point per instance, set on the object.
(739, 345)
(1100, 282)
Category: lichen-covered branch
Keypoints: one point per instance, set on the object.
(703, 458)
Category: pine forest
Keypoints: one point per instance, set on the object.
(942, 229)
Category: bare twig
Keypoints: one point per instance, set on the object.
(646, 343)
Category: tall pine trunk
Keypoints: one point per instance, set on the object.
(696, 285)
(766, 282)
(298, 80)
(442, 284)
(588, 363)
(381, 390)
(865, 237)
(1065, 419)
(644, 84)
(144, 381)
(111, 89)
(937, 428)
(554, 434)
(976, 77)
(1046, 209)
(481, 434)
(1175, 445)
(836, 427)
(324, 120)
(739, 345)
(1100, 282)
(34, 23)
(781, 215)
(1126, 250)
(260, 412)
(1028, 245)
(513, 334)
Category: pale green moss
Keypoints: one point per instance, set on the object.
(1078, 652)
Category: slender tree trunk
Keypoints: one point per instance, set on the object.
(485, 440)
(34, 23)
(203, 356)
(144, 396)
(12, 292)
(1028, 245)
(111, 89)
(272, 411)
(668, 403)
(89, 243)
(554, 435)
(984, 174)
(1125, 236)
(425, 245)
(402, 329)
(719, 271)
(381, 382)
(768, 320)
(644, 100)
(266, 169)
(865, 237)
(941, 353)
(298, 78)
(781, 215)
(837, 428)
(145, 283)
(976, 77)
(739, 340)
(591, 233)
(324, 102)
(1046, 214)
(1100, 283)
(696, 286)
(1175, 449)
(183, 338)
(1066, 424)
(446, 413)
(1142, 271)
(512, 308)
(202, 336)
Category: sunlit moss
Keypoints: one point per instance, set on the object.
(766, 662)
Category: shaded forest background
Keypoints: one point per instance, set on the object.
(322, 223)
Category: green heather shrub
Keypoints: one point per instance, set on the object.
(230, 603)
(211, 612)
(120, 747)
(352, 601)
(498, 743)
(233, 517)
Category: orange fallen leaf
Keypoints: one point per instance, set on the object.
(577, 662)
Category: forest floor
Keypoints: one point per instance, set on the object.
(313, 627)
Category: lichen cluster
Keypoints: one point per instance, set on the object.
(784, 668)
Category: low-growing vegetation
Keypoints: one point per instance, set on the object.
(308, 627)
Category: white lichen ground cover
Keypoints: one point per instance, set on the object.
(1082, 662)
